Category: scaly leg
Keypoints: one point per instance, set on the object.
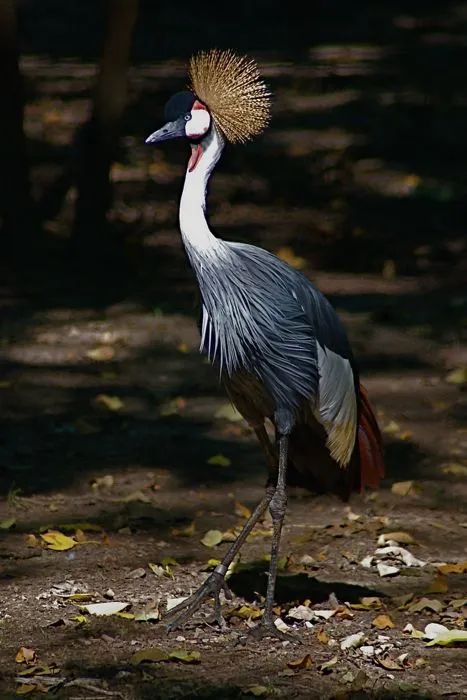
(277, 508)
(213, 585)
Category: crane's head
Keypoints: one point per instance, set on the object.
(186, 116)
(226, 92)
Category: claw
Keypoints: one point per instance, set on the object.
(211, 588)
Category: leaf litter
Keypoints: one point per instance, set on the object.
(157, 655)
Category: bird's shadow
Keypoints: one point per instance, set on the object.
(250, 582)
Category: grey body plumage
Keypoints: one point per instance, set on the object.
(262, 317)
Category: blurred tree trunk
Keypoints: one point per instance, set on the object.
(99, 139)
(16, 207)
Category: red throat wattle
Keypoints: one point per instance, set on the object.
(196, 153)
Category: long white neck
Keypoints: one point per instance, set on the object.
(194, 228)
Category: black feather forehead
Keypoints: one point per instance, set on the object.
(179, 104)
(231, 87)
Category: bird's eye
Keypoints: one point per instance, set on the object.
(187, 117)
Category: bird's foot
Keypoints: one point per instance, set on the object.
(211, 588)
(267, 628)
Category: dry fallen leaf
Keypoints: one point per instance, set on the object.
(399, 537)
(257, 691)
(390, 664)
(322, 636)
(32, 541)
(25, 655)
(400, 554)
(241, 510)
(298, 664)
(454, 469)
(459, 568)
(344, 613)
(324, 614)
(449, 638)
(212, 538)
(434, 629)
(156, 655)
(426, 604)
(457, 376)
(7, 524)
(186, 657)
(58, 541)
(26, 688)
(352, 641)
(439, 584)
(301, 612)
(387, 569)
(383, 622)
(80, 596)
(173, 602)
(327, 666)
(105, 481)
(414, 633)
(367, 603)
(458, 603)
(186, 531)
(111, 403)
(103, 353)
(219, 461)
(392, 428)
(111, 608)
(287, 254)
(228, 412)
(153, 655)
(150, 613)
(405, 488)
(245, 612)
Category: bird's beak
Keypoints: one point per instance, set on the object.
(171, 130)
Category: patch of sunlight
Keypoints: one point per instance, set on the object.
(55, 338)
(316, 103)
(334, 53)
(372, 175)
(302, 142)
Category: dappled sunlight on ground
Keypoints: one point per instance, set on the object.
(115, 431)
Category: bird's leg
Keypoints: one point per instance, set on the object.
(215, 582)
(277, 508)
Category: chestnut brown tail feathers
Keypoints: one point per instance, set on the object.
(312, 467)
(370, 444)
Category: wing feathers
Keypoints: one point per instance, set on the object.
(336, 407)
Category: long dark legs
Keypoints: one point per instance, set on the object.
(277, 508)
(276, 499)
(216, 581)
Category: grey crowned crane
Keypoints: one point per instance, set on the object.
(277, 343)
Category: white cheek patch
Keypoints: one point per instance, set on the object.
(199, 123)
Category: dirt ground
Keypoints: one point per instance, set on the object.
(116, 435)
(139, 473)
